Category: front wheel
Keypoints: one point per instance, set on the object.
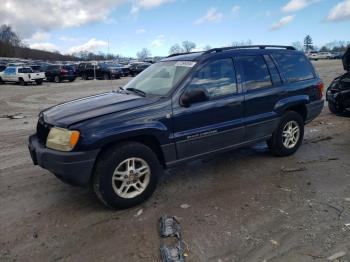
(22, 82)
(57, 79)
(126, 175)
(288, 136)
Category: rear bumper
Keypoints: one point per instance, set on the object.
(73, 167)
(314, 109)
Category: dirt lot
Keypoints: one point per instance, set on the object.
(246, 205)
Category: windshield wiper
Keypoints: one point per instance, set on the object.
(137, 91)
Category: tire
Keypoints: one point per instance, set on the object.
(335, 109)
(84, 77)
(1, 82)
(278, 143)
(71, 80)
(117, 158)
(39, 82)
(106, 76)
(22, 82)
(57, 79)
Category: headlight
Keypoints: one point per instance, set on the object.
(62, 139)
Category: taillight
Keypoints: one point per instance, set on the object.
(64, 71)
(320, 87)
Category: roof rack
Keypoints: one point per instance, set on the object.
(186, 53)
(216, 50)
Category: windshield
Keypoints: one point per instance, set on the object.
(159, 78)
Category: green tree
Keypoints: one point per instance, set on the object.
(308, 44)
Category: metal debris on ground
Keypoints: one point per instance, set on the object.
(173, 254)
(337, 255)
(169, 227)
(16, 116)
(292, 169)
(139, 213)
(185, 206)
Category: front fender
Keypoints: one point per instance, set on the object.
(94, 139)
(292, 101)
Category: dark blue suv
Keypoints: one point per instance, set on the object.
(185, 107)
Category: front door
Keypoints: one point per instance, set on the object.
(211, 125)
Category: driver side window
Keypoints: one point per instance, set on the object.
(218, 78)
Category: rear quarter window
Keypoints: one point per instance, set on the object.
(295, 67)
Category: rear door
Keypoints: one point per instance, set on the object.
(262, 86)
(211, 125)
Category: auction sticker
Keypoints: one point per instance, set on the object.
(185, 63)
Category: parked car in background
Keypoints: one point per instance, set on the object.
(338, 93)
(100, 71)
(136, 68)
(314, 55)
(21, 75)
(185, 107)
(59, 73)
(36, 68)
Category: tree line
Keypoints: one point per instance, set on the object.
(11, 45)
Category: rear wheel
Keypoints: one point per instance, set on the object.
(57, 79)
(39, 82)
(1, 82)
(288, 136)
(106, 76)
(334, 108)
(126, 175)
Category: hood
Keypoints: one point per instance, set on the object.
(346, 60)
(68, 113)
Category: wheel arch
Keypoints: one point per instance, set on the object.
(296, 104)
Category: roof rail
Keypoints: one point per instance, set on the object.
(185, 53)
(216, 50)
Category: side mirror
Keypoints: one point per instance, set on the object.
(194, 96)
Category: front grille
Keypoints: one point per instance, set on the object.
(42, 130)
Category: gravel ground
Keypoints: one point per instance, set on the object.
(245, 205)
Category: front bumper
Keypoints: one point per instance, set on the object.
(73, 167)
(314, 109)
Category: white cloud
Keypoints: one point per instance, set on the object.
(30, 16)
(141, 31)
(158, 42)
(38, 36)
(212, 16)
(44, 46)
(282, 22)
(147, 4)
(236, 9)
(90, 46)
(340, 12)
(67, 38)
(295, 5)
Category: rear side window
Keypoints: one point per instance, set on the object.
(295, 67)
(255, 73)
(218, 78)
(25, 70)
(53, 67)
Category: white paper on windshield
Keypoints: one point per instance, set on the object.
(185, 63)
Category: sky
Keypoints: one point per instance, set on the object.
(126, 26)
